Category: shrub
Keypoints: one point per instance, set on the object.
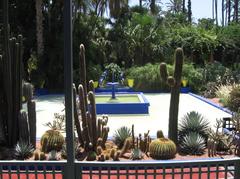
(147, 78)
(223, 92)
(194, 76)
(234, 101)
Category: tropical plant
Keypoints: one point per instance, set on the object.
(23, 150)
(113, 72)
(193, 143)
(121, 135)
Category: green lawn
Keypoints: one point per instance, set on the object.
(119, 99)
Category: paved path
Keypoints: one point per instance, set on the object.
(156, 120)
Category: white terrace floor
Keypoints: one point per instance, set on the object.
(156, 120)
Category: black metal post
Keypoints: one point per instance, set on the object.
(68, 81)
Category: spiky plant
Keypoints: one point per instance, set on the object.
(23, 150)
(162, 148)
(53, 155)
(193, 122)
(193, 144)
(121, 135)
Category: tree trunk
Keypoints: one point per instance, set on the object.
(189, 11)
(39, 28)
(236, 11)
(140, 3)
(222, 12)
(213, 15)
(183, 6)
(229, 11)
(216, 12)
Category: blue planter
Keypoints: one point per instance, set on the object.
(185, 89)
(41, 91)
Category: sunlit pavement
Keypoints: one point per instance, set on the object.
(157, 119)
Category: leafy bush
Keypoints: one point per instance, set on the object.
(194, 76)
(214, 72)
(113, 69)
(147, 78)
(234, 101)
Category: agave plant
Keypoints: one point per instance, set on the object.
(121, 135)
(193, 144)
(193, 122)
(23, 150)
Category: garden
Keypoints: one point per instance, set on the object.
(120, 63)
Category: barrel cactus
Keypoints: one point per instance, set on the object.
(52, 140)
(162, 148)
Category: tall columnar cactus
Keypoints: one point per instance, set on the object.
(175, 84)
(92, 132)
(82, 68)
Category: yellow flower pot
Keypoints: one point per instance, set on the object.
(184, 83)
(130, 82)
(95, 84)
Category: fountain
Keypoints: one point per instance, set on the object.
(122, 103)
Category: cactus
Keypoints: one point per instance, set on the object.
(112, 152)
(160, 134)
(116, 156)
(162, 148)
(42, 156)
(23, 127)
(52, 140)
(175, 84)
(101, 158)
(36, 156)
(136, 154)
(126, 146)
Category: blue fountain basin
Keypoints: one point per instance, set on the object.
(117, 107)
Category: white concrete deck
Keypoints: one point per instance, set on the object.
(156, 120)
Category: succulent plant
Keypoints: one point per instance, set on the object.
(121, 135)
(193, 122)
(53, 155)
(160, 134)
(23, 150)
(136, 154)
(127, 145)
(52, 140)
(162, 148)
(193, 144)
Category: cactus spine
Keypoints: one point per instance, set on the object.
(175, 83)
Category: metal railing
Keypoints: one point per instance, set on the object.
(195, 169)
(171, 169)
(32, 169)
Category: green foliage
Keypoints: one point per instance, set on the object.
(113, 69)
(162, 148)
(193, 122)
(234, 101)
(121, 135)
(23, 150)
(193, 143)
(147, 78)
(194, 76)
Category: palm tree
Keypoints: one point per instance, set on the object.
(189, 11)
(39, 27)
(229, 10)
(115, 7)
(223, 4)
(236, 10)
(183, 6)
(213, 15)
(216, 11)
